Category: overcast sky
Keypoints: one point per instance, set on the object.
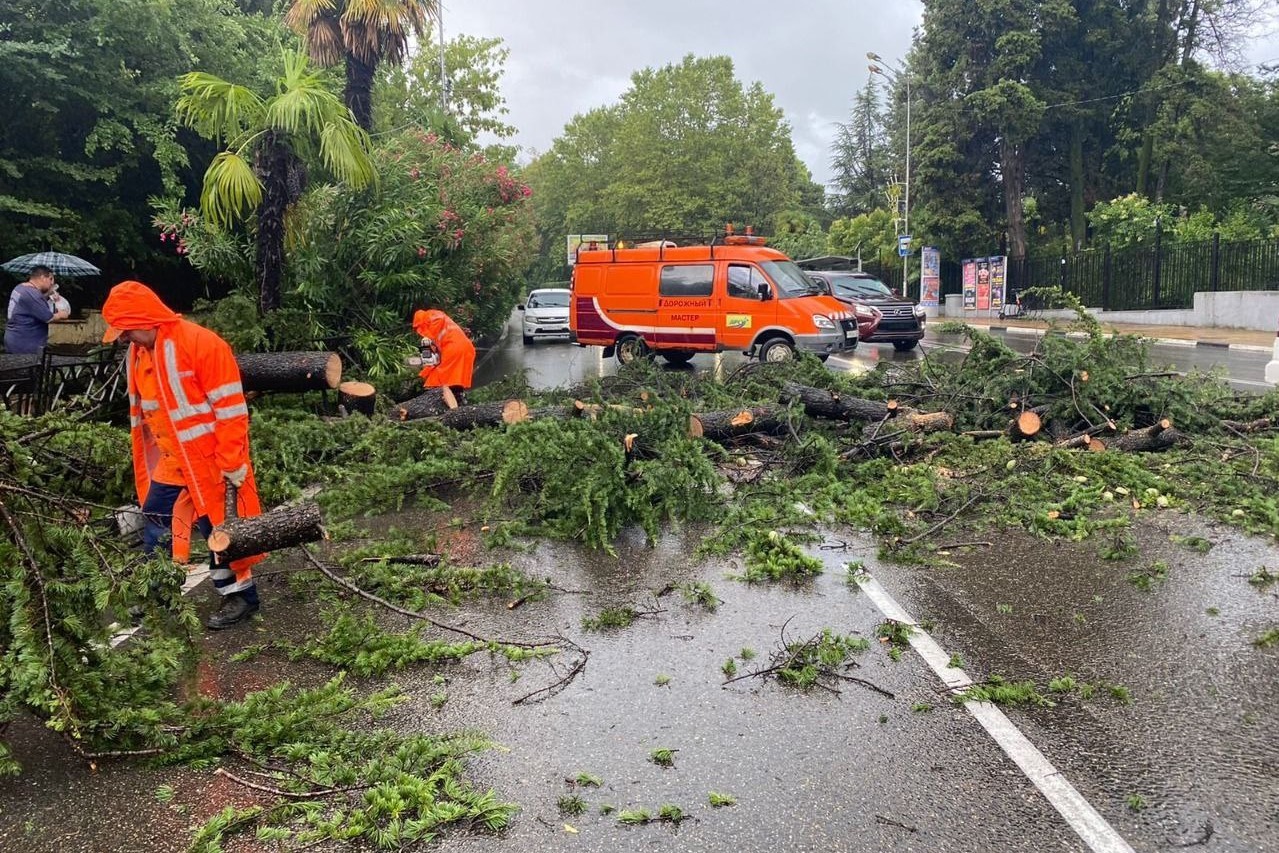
(568, 57)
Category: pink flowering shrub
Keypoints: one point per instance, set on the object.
(439, 228)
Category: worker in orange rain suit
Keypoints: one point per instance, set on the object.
(457, 353)
(190, 428)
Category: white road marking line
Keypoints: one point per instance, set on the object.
(191, 581)
(1085, 820)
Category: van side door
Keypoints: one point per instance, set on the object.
(685, 307)
(746, 304)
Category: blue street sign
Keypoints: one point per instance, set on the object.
(903, 245)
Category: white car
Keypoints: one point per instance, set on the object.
(545, 314)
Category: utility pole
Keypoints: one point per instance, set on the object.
(893, 76)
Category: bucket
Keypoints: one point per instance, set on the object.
(130, 520)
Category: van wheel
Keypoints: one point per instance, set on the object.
(631, 349)
(905, 346)
(677, 356)
(777, 350)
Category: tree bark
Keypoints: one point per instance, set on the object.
(1078, 220)
(358, 397)
(819, 403)
(718, 426)
(1160, 436)
(1012, 166)
(284, 527)
(289, 371)
(432, 402)
(273, 166)
(485, 414)
(358, 93)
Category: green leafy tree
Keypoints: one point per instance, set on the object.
(870, 235)
(87, 90)
(362, 34)
(268, 140)
(409, 95)
(798, 234)
(686, 149)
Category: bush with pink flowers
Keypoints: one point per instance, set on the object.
(441, 227)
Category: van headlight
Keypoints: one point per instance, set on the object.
(821, 321)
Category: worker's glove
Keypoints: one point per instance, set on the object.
(236, 477)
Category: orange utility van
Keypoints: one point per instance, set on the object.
(676, 301)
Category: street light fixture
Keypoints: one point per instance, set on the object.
(893, 76)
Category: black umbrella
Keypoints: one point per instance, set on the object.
(62, 264)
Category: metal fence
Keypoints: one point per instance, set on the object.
(1160, 275)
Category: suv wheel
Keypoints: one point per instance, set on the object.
(777, 350)
(676, 356)
(631, 349)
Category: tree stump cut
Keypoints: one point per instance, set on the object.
(358, 397)
(432, 402)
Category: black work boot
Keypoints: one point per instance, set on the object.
(235, 609)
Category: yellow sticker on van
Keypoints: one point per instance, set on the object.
(739, 321)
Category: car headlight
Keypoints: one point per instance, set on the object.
(821, 321)
(865, 312)
(920, 312)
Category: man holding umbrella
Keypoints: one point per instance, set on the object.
(30, 312)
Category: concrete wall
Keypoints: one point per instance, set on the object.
(1257, 310)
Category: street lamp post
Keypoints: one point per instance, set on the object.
(892, 76)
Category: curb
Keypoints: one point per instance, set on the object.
(1171, 342)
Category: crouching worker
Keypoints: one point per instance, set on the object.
(448, 355)
(190, 429)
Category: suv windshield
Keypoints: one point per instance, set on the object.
(790, 281)
(548, 299)
(857, 287)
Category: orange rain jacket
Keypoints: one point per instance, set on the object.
(202, 400)
(457, 353)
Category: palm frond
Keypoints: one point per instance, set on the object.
(302, 13)
(230, 188)
(214, 107)
(344, 146)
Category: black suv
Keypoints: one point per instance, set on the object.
(902, 324)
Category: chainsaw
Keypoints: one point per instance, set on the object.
(428, 355)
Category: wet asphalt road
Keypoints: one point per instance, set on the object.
(551, 363)
(857, 771)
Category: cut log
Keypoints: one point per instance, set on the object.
(428, 560)
(357, 397)
(485, 414)
(289, 371)
(1025, 425)
(1259, 425)
(718, 426)
(819, 403)
(907, 422)
(1158, 436)
(984, 434)
(1083, 441)
(434, 401)
(284, 527)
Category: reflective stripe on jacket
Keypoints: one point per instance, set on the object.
(202, 400)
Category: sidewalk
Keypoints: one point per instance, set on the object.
(1236, 339)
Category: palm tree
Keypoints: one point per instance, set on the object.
(268, 141)
(364, 33)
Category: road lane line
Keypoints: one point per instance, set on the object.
(1085, 820)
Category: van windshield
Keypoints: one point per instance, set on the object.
(790, 281)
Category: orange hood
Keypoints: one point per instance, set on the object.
(431, 323)
(133, 305)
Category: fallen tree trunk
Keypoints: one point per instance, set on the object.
(718, 426)
(485, 414)
(1083, 441)
(819, 403)
(434, 401)
(357, 397)
(1259, 425)
(289, 371)
(283, 527)
(1158, 436)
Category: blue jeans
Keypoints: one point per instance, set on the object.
(157, 533)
